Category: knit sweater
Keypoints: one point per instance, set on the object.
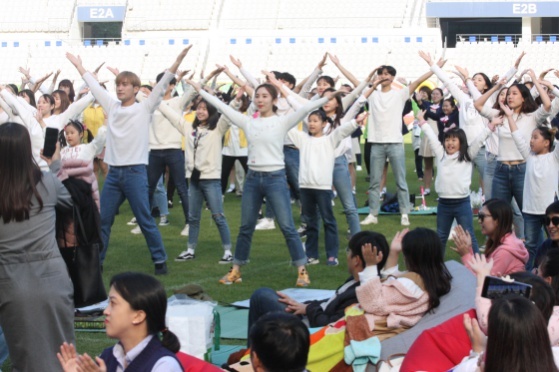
(400, 301)
(265, 135)
(454, 177)
(317, 156)
(128, 127)
(385, 116)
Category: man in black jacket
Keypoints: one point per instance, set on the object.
(320, 313)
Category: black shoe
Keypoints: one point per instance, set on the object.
(155, 212)
(161, 268)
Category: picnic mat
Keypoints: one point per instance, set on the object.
(415, 212)
(219, 357)
(234, 322)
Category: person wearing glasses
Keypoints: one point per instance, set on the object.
(503, 247)
(551, 221)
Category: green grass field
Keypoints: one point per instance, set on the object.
(269, 259)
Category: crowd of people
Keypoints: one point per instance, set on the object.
(296, 142)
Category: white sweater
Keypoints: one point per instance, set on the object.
(385, 116)
(86, 151)
(59, 121)
(19, 113)
(453, 177)
(264, 135)
(162, 134)
(542, 176)
(128, 127)
(203, 146)
(526, 123)
(317, 156)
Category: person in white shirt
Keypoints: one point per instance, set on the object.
(541, 181)
(127, 153)
(266, 177)
(317, 155)
(385, 133)
(454, 164)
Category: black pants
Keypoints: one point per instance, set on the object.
(227, 163)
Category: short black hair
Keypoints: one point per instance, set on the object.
(147, 86)
(286, 76)
(160, 76)
(281, 341)
(375, 239)
(553, 208)
(391, 70)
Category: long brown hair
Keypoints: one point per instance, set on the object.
(64, 100)
(19, 174)
(502, 212)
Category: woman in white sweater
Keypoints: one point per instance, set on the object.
(508, 181)
(203, 142)
(266, 177)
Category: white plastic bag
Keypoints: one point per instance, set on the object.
(193, 323)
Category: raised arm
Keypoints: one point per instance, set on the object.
(349, 76)
(546, 102)
(312, 77)
(26, 116)
(76, 108)
(521, 145)
(415, 84)
(456, 92)
(292, 119)
(241, 83)
(236, 117)
(480, 102)
(351, 97)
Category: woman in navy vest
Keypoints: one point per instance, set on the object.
(135, 316)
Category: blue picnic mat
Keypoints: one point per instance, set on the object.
(233, 321)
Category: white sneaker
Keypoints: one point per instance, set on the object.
(427, 192)
(370, 219)
(265, 224)
(132, 222)
(358, 168)
(405, 221)
(136, 230)
(164, 221)
(184, 231)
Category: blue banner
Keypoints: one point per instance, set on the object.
(492, 9)
(101, 13)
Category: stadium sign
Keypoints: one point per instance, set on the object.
(101, 13)
(509, 9)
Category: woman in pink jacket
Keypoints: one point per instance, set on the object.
(507, 251)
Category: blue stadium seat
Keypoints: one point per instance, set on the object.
(185, 41)
(232, 41)
(87, 42)
(142, 42)
(99, 42)
(248, 41)
(553, 38)
(333, 40)
(419, 39)
(291, 40)
(58, 43)
(47, 43)
(375, 40)
(407, 39)
(494, 39)
(126, 42)
(508, 39)
(364, 40)
(320, 40)
(171, 41)
(278, 41)
(472, 39)
(539, 39)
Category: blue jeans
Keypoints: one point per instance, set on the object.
(342, 184)
(508, 183)
(459, 209)
(263, 301)
(210, 190)
(3, 348)
(130, 182)
(174, 160)
(291, 159)
(533, 224)
(160, 198)
(311, 200)
(489, 175)
(273, 186)
(480, 163)
(396, 155)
